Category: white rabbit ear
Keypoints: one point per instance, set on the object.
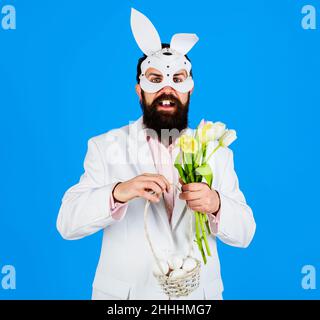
(144, 33)
(183, 42)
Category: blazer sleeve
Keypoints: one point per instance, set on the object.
(236, 225)
(85, 207)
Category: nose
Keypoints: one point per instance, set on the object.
(168, 90)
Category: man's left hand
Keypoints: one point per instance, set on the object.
(200, 197)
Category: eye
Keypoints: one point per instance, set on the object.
(177, 80)
(156, 80)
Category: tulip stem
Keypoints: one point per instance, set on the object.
(204, 232)
(198, 237)
(204, 154)
(214, 150)
(207, 224)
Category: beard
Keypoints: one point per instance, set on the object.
(162, 121)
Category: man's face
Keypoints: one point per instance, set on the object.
(166, 108)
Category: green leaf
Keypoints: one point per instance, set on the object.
(209, 179)
(179, 167)
(206, 172)
(182, 173)
(189, 166)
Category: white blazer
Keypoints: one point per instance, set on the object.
(125, 265)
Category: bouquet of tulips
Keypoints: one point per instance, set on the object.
(192, 163)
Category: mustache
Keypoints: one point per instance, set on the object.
(153, 119)
(164, 96)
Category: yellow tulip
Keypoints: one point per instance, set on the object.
(204, 132)
(188, 144)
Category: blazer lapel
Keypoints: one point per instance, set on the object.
(179, 211)
(138, 149)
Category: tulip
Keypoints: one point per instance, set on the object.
(209, 131)
(205, 132)
(227, 138)
(218, 129)
(188, 144)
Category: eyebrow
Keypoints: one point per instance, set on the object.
(180, 73)
(155, 74)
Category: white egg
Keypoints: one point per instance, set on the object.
(175, 262)
(177, 274)
(189, 264)
(164, 266)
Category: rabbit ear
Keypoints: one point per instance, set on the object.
(183, 42)
(144, 33)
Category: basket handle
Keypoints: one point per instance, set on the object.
(146, 207)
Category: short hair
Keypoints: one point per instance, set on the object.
(164, 45)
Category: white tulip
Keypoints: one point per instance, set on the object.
(203, 130)
(209, 131)
(228, 137)
(189, 264)
(164, 266)
(219, 129)
(177, 274)
(175, 262)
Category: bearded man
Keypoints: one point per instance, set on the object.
(128, 166)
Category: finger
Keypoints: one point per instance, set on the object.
(160, 179)
(195, 203)
(197, 208)
(194, 186)
(181, 181)
(148, 196)
(156, 180)
(152, 186)
(194, 195)
(166, 181)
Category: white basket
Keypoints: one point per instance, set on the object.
(181, 286)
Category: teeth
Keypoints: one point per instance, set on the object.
(165, 102)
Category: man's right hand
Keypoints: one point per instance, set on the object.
(142, 186)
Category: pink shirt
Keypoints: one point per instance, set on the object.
(163, 159)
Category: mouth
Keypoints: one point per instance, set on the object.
(166, 104)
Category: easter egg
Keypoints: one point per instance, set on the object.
(189, 264)
(164, 268)
(175, 262)
(177, 274)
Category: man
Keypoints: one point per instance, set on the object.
(127, 166)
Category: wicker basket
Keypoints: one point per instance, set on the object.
(181, 286)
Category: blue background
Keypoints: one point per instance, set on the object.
(68, 73)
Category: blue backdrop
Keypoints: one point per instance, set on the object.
(67, 73)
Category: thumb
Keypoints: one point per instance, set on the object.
(181, 182)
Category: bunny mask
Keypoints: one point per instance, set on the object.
(168, 61)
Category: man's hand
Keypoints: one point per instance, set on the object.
(142, 186)
(200, 197)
